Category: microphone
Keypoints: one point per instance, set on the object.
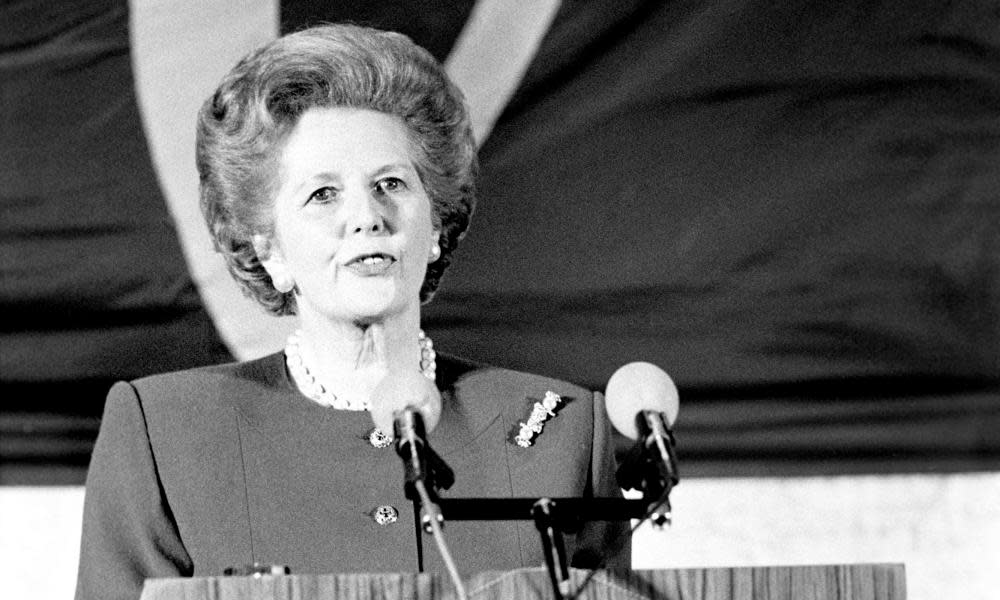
(638, 387)
(642, 404)
(398, 393)
(409, 406)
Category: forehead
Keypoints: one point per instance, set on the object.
(343, 138)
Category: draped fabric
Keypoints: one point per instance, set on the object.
(793, 208)
(94, 282)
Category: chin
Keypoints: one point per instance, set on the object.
(366, 302)
(369, 312)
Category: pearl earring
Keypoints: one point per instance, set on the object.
(435, 253)
(282, 282)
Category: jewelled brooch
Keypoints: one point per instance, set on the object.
(540, 413)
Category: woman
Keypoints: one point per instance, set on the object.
(337, 171)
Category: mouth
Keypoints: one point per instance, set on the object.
(371, 264)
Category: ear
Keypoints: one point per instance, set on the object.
(273, 262)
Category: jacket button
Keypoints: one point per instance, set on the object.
(385, 515)
(378, 439)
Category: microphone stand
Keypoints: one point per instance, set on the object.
(424, 473)
(651, 467)
(552, 544)
(566, 514)
(552, 516)
(651, 464)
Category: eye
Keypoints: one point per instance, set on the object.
(323, 195)
(389, 185)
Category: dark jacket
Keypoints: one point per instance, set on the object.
(224, 466)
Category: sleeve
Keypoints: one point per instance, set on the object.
(603, 543)
(129, 533)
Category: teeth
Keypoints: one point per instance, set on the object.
(371, 260)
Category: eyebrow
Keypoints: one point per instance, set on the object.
(314, 179)
(401, 166)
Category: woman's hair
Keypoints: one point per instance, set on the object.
(243, 125)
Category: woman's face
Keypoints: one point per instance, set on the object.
(352, 221)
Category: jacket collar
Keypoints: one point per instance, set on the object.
(271, 403)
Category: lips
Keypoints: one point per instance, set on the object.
(371, 264)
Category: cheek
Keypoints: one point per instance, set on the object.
(417, 220)
(303, 244)
(434, 216)
(432, 221)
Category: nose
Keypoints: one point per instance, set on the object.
(364, 213)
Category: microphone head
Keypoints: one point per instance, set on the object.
(636, 387)
(399, 392)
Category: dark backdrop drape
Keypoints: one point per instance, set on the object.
(793, 208)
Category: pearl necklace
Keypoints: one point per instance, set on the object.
(314, 388)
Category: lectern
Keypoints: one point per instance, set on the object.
(814, 582)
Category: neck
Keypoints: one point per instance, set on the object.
(354, 357)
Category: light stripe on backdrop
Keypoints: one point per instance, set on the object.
(491, 55)
(180, 51)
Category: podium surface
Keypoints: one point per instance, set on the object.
(811, 582)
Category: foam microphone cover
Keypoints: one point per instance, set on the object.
(398, 392)
(636, 387)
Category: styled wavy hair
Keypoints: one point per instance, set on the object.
(243, 125)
